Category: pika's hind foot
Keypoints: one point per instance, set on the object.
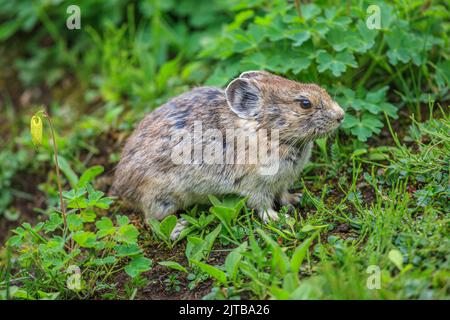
(179, 227)
(292, 199)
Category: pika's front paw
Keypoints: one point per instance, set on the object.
(180, 226)
(292, 199)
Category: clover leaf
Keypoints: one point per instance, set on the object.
(362, 127)
(337, 64)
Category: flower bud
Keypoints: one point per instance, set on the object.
(36, 130)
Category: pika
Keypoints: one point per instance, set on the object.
(151, 179)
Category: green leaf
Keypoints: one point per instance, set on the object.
(300, 253)
(8, 28)
(55, 244)
(361, 132)
(227, 210)
(215, 202)
(406, 45)
(15, 293)
(240, 18)
(173, 265)
(155, 226)
(122, 220)
(127, 233)
(233, 259)
(343, 38)
(210, 238)
(279, 259)
(290, 281)
(15, 241)
(195, 248)
(127, 250)
(189, 219)
(96, 198)
(299, 37)
(246, 40)
(396, 257)
(68, 172)
(309, 227)
(377, 96)
(442, 74)
(76, 198)
(48, 295)
(74, 222)
(55, 220)
(167, 225)
(279, 293)
(390, 109)
(103, 261)
(88, 215)
(214, 272)
(337, 64)
(363, 128)
(224, 214)
(309, 289)
(105, 227)
(388, 15)
(298, 64)
(271, 27)
(89, 175)
(358, 152)
(137, 265)
(198, 248)
(310, 10)
(85, 239)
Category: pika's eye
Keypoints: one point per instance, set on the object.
(304, 103)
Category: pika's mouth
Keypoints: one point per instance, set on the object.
(315, 129)
(326, 130)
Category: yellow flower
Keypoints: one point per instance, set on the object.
(36, 130)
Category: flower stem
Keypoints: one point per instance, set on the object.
(58, 178)
(297, 7)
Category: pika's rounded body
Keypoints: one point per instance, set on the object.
(189, 147)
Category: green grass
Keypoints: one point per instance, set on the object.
(395, 222)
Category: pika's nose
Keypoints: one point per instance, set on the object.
(339, 113)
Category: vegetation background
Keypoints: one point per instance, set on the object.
(373, 223)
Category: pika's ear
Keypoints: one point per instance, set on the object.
(243, 97)
(254, 74)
